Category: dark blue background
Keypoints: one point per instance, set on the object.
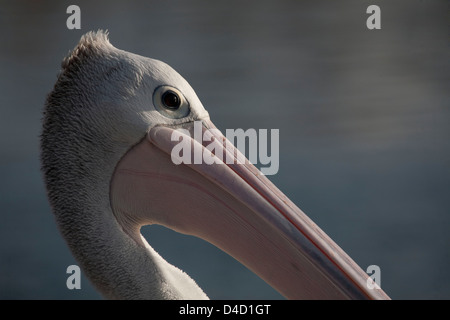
(363, 115)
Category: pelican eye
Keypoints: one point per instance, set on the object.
(170, 102)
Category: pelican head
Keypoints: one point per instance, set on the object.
(106, 156)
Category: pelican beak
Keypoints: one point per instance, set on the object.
(236, 208)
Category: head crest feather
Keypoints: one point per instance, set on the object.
(90, 44)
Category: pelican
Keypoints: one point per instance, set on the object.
(106, 159)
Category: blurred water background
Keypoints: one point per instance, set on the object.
(364, 120)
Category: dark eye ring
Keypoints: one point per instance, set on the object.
(171, 100)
